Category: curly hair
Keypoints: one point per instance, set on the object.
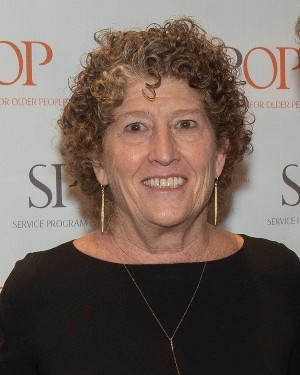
(297, 27)
(179, 49)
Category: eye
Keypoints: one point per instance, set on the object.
(186, 124)
(135, 127)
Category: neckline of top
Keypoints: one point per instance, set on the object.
(230, 257)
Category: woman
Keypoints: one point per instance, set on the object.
(156, 122)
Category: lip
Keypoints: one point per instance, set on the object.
(165, 182)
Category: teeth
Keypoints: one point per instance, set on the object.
(170, 182)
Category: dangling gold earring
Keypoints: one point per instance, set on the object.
(216, 200)
(102, 215)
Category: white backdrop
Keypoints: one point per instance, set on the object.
(41, 44)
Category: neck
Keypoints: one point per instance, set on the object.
(186, 242)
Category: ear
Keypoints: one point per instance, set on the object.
(221, 158)
(99, 171)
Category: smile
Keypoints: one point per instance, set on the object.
(170, 182)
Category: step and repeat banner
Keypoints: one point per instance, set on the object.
(41, 45)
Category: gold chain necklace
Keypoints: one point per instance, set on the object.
(170, 338)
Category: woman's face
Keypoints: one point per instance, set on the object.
(160, 158)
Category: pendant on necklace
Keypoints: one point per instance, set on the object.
(170, 338)
(174, 356)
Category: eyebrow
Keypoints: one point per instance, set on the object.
(192, 111)
(179, 112)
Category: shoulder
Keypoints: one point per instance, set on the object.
(45, 257)
(275, 273)
(272, 259)
(262, 247)
(23, 278)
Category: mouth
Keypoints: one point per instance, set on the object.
(163, 183)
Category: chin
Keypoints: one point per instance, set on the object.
(168, 221)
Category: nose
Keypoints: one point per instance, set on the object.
(164, 148)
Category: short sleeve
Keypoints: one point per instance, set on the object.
(19, 304)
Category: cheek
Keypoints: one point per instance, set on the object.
(113, 151)
(202, 156)
(121, 161)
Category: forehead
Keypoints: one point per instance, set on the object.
(170, 90)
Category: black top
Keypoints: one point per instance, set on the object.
(65, 313)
